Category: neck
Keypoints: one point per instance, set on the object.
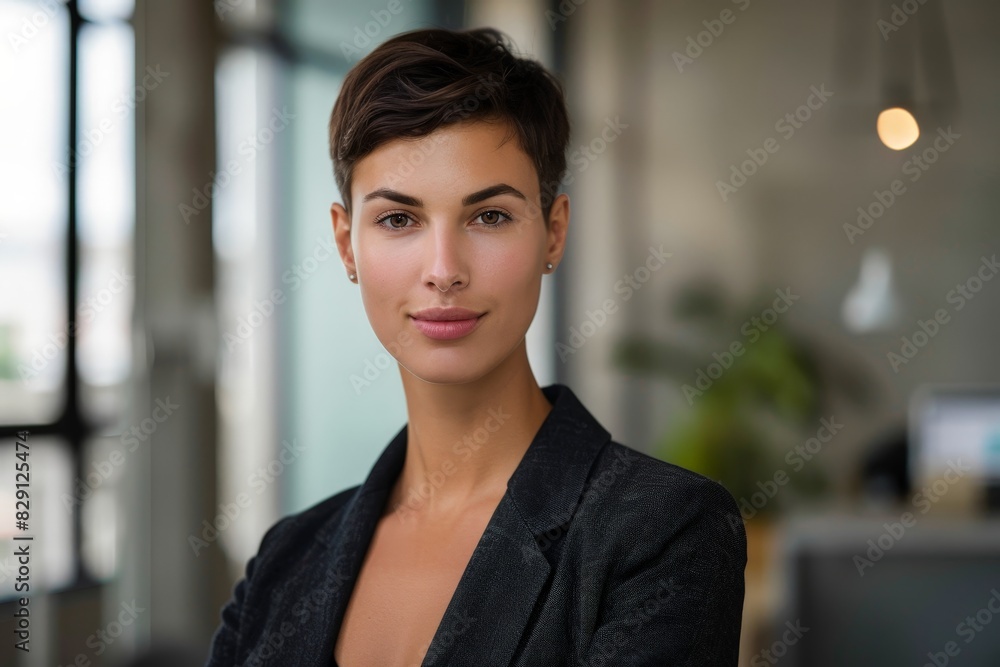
(464, 441)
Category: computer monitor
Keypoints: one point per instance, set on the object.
(889, 592)
(954, 422)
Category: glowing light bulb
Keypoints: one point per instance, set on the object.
(897, 128)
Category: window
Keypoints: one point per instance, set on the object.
(67, 214)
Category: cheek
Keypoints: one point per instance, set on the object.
(384, 267)
(381, 286)
(514, 277)
(511, 262)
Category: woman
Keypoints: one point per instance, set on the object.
(501, 525)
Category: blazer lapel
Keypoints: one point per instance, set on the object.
(499, 589)
(347, 540)
(507, 571)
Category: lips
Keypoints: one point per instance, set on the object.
(445, 314)
(446, 323)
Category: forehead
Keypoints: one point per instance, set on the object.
(457, 159)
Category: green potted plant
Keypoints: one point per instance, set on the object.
(750, 404)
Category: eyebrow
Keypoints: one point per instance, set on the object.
(468, 200)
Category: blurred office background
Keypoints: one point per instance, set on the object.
(179, 338)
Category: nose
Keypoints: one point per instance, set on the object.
(446, 258)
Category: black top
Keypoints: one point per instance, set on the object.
(597, 554)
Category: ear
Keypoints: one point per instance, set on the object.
(558, 227)
(342, 235)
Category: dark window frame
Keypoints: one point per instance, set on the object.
(71, 426)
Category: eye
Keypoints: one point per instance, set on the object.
(494, 218)
(390, 219)
(396, 220)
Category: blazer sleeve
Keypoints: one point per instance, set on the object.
(227, 635)
(678, 600)
(224, 641)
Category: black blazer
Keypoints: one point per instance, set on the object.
(597, 554)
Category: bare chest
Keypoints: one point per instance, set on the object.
(403, 588)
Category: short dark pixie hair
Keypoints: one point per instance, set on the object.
(419, 81)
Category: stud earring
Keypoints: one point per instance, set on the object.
(352, 276)
(548, 265)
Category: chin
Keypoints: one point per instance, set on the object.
(456, 365)
(460, 374)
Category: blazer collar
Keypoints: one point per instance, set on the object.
(508, 568)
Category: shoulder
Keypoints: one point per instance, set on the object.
(657, 484)
(287, 549)
(293, 532)
(662, 548)
(644, 504)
